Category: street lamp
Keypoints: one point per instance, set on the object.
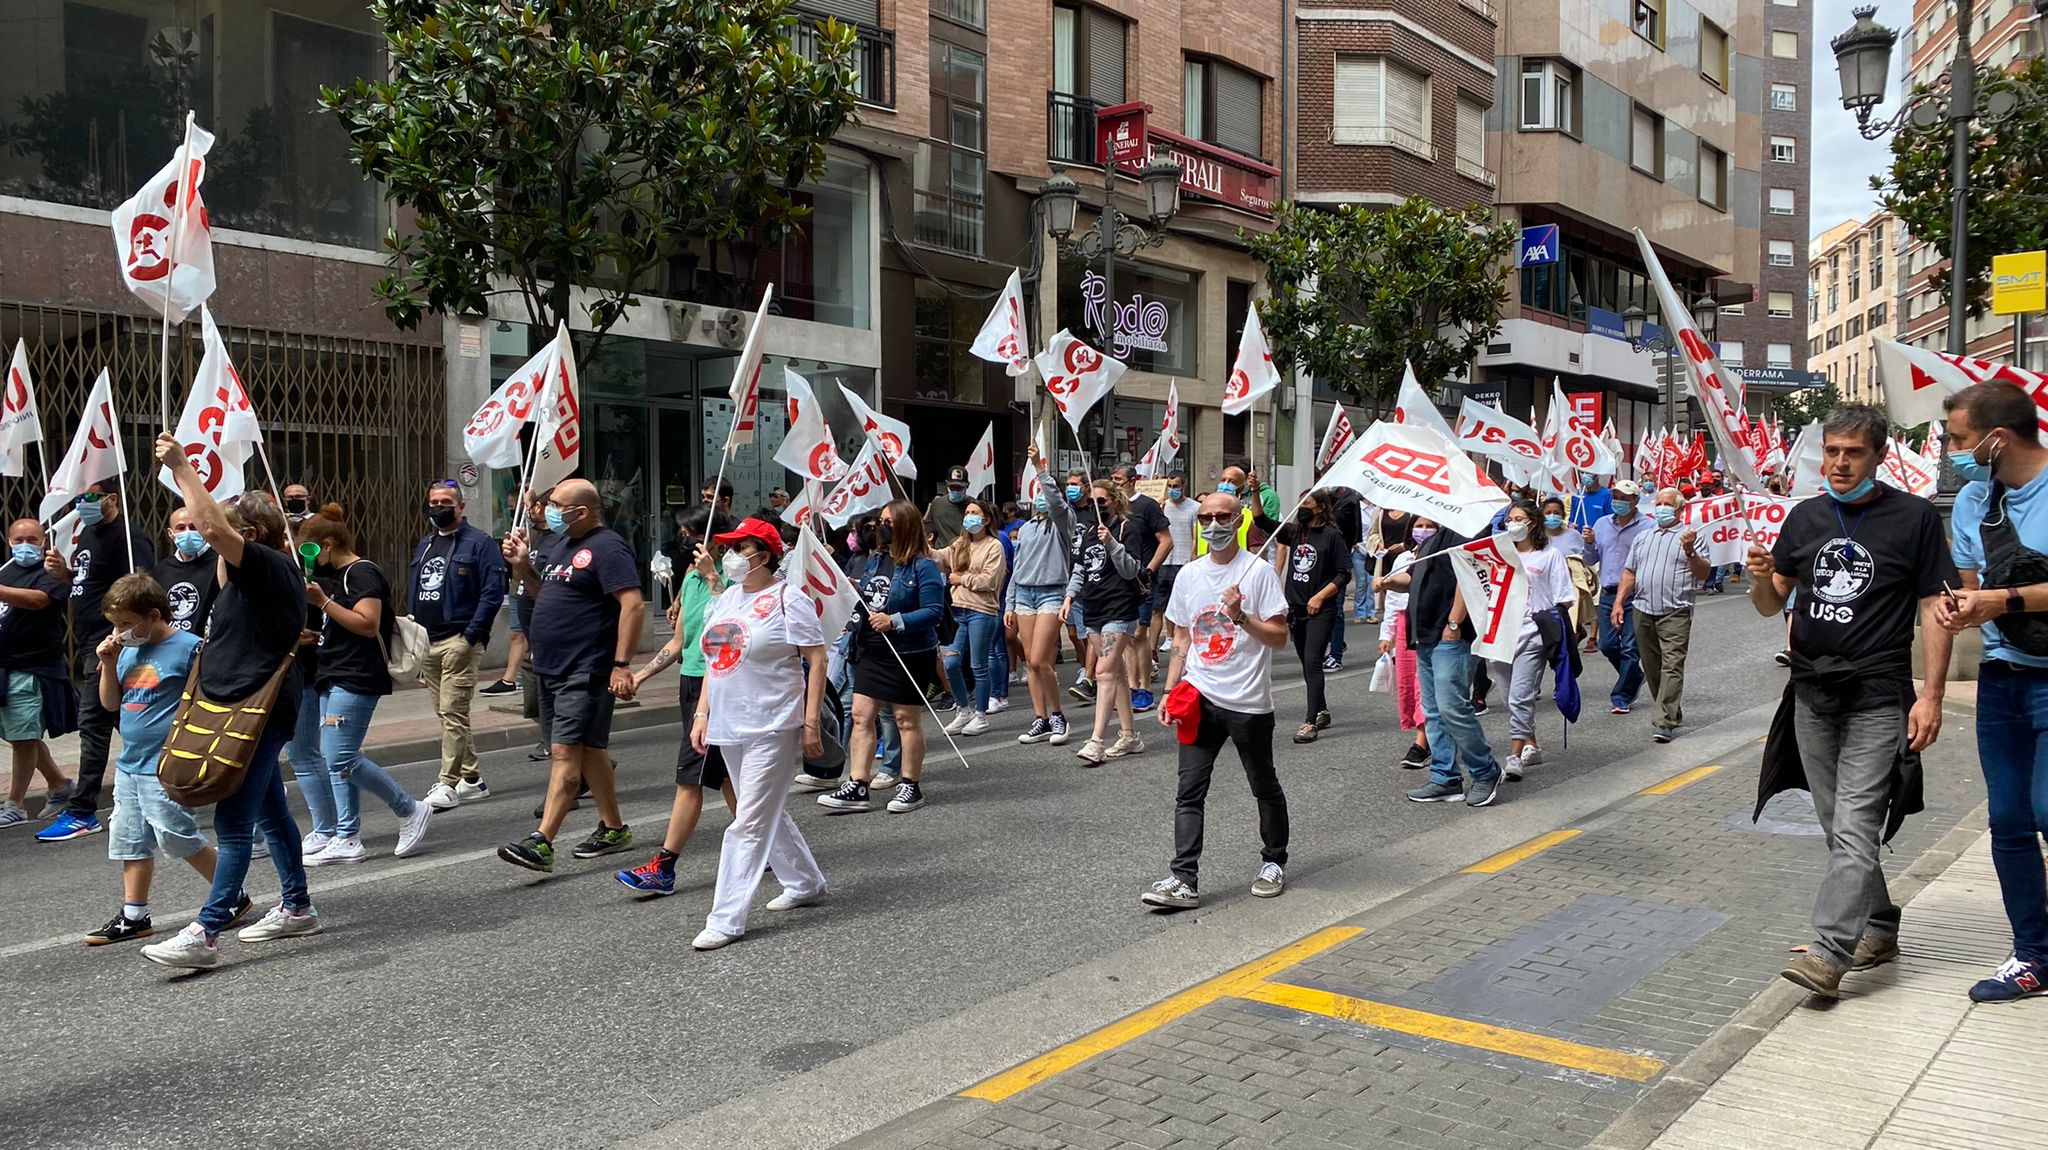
(1706, 314)
(1863, 59)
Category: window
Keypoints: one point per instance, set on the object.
(1648, 20)
(1778, 355)
(1646, 142)
(1877, 239)
(973, 13)
(1472, 140)
(1784, 97)
(1783, 201)
(1781, 253)
(1855, 326)
(1813, 348)
(1731, 352)
(942, 332)
(1784, 150)
(1855, 285)
(1713, 171)
(1877, 266)
(1088, 55)
(1875, 317)
(1834, 297)
(1834, 337)
(1381, 102)
(1778, 305)
(951, 164)
(1785, 45)
(1548, 88)
(1225, 106)
(1731, 309)
(1714, 54)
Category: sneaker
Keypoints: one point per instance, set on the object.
(1782, 658)
(909, 797)
(649, 877)
(443, 797)
(1039, 731)
(1332, 663)
(1479, 706)
(540, 809)
(280, 923)
(1482, 794)
(1059, 730)
(1323, 720)
(1271, 881)
(242, 911)
(120, 928)
(1618, 709)
(1083, 689)
(852, 795)
(2012, 981)
(708, 939)
(540, 753)
(1127, 743)
(339, 850)
(501, 687)
(1172, 894)
(959, 723)
(603, 841)
(313, 844)
(811, 782)
(1092, 753)
(1142, 701)
(944, 704)
(1820, 976)
(1306, 733)
(788, 901)
(1414, 758)
(1532, 756)
(1374, 620)
(189, 949)
(1512, 768)
(55, 798)
(12, 813)
(1436, 793)
(884, 780)
(977, 724)
(532, 852)
(1660, 734)
(997, 704)
(470, 790)
(69, 826)
(1874, 950)
(413, 830)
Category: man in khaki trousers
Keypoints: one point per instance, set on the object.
(1664, 567)
(458, 584)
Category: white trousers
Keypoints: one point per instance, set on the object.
(761, 830)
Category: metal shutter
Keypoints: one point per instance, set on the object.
(1239, 109)
(1359, 114)
(1710, 176)
(1642, 150)
(1471, 134)
(1105, 58)
(864, 12)
(1408, 103)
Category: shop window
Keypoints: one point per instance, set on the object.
(952, 164)
(1223, 105)
(1549, 95)
(1150, 325)
(943, 329)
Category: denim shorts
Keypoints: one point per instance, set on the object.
(145, 819)
(21, 720)
(522, 613)
(1113, 627)
(1040, 599)
(582, 709)
(1145, 605)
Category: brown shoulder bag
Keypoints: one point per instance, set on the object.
(207, 754)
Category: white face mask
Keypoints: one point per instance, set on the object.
(1517, 530)
(736, 566)
(1219, 535)
(132, 637)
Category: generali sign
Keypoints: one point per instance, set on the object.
(1123, 135)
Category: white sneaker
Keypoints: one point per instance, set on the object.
(1126, 744)
(975, 725)
(313, 844)
(959, 723)
(468, 791)
(883, 781)
(708, 939)
(186, 950)
(1513, 768)
(443, 797)
(413, 830)
(1091, 752)
(11, 813)
(339, 851)
(810, 782)
(1532, 756)
(278, 923)
(998, 705)
(788, 901)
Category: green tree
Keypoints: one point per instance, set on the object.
(560, 144)
(1796, 409)
(1357, 292)
(2008, 173)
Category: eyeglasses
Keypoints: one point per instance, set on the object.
(1102, 505)
(1216, 517)
(88, 497)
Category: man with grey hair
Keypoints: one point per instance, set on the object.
(1862, 558)
(1664, 565)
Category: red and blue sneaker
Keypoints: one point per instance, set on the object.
(2014, 980)
(650, 877)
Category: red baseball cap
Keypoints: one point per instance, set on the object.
(759, 530)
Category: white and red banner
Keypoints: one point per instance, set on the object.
(798, 511)
(981, 466)
(1719, 390)
(558, 418)
(1414, 408)
(20, 423)
(1496, 591)
(161, 233)
(1908, 470)
(1254, 374)
(818, 577)
(1489, 431)
(891, 433)
(1647, 449)
(218, 428)
(1614, 446)
(745, 388)
(1002, 339)
(1729, 523)
(1578, 447)
(1917, 380)
(1419, 471)
(95, 453)
(1167, 447)
(1336, 437)
(1031, 481)
(807, 448)
(1077, 376)
(491, 438)
(1805, 462)
(865, 488)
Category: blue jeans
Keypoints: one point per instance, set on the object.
(1443, 672)
(2012, 746)
(344, 720)
(258, 805)
(1619, 645)
(972, 645)
(309, 765)
(1361, 582)
(1337, 647)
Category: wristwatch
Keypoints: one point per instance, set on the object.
(2015, 603)
(622, 663)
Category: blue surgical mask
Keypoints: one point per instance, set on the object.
(1173, 493)
(1966, 465)
(1665, 516)
(1590, 482)
(956, 496)
(1039, 504)
(1853, 494)
(28, 555)
(970, 523)
(191, 544)
(1623, 507)
(1226, 488)
(557, 522)
(90, 512)
(1553, 522)
(1073, 494)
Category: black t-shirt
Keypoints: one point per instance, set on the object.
(192, 586)
(538, 541)
(1396, 531)
(1862, 571)
(256, 622)
(575, 628)
(1106, 596)
(1147, 521)
(353, 662)
(30, 639)
(1432, 590)
(433, 583)
(1316, 557)
(100, 558)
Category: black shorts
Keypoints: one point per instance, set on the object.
(878, 675)
(1162, 591)
(582, 709)
(692, 769)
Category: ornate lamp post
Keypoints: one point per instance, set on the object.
(1115, 234)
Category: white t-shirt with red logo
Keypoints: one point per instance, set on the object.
(753, 662)
(1225, 663)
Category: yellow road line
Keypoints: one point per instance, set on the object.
(1680, 781)
(1477, 1035)
(1234, 982)
(1513, 855)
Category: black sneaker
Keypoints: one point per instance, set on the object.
(1083, 689)
(532, 852)
(1059, 730)
(852, 795)
(1323, 721)
(1039, 731)
(242, 910)
(539, 754)
(120, 928)
(501, 687)
(541, 808)
(1333, 663)
(945, 704)
(1415, 758)
(604, 841)
(1783, 658)
(1479, 706)
(909, 797)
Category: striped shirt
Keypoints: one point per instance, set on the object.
(1664, 581)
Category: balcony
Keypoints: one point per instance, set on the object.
(1483, 7)
(1070, 128)
(1475, 172)
(874, 58)
(952, 222)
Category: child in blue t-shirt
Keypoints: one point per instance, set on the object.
(143, 667)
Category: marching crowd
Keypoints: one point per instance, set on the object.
(1172, 608)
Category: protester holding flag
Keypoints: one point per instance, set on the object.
(975, 570)
(188, 573)
(1657, 581)
(1106, 583)
(1593, 503)
(36, 699)
(1038, 584)
(1440, 632)
(1541, 629)
(1313, 563)
(1610, 538)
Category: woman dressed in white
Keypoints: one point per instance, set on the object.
(764, 683)
(1545, 623)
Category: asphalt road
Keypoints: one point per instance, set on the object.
(456, 1001)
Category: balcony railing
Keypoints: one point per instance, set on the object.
(874, 58)
(1478, 172)
(1070, 128)
(1385, 137)
(951, 222)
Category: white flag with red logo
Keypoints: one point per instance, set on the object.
(1002, 338)
(491, 437)
(745, 389)
(20, 423)
(558, 416)
(1254, 374)
(1578, 447)
(1806, 460)
(1917, 380)
(811, 568)
(1487, 430)
(1167, 446)
(95, 453)
(1030, 481)
(798, 511)
(981, 466)
(218, 428)
(1614, 447)
(1908, 470)
(1414, 407)
(807, 448)
(1496, 591)
(1419, 471)
(865, 488)
(893, 434)
(1719, 390)
(1336, 437)
(1077, 376)
(64, 537)
(161, 235)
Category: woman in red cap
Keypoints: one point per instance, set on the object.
(764, 686)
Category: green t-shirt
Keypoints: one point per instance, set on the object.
(696, 597)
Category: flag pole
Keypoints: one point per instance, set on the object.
(184, 163)
(120, 480)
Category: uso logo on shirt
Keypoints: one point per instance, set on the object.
(724, 646)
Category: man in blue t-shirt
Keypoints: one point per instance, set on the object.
(588, 609)
(1995, 442)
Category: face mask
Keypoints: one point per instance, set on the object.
(1424, 534)
(1039, 504)
(557, 522)
(853, 541)
(441, 515)
(1173, 493)
(1517, 530)
(294, 506)
(885, 534)
(956, 496)
(1219, 535)
(130, 638)
(970, 523)
(1623, 507)
(1853, 494)
(1307, 515)
(91, 513)
(191, 544)
(1553, 522)
(1226, 488)
(1073, 494)
(1589, 482)
(1665, 516)
(28, 555)
(736, 566)
(1966, 465)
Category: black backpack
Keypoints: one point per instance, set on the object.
(2010, 563)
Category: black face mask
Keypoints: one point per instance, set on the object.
(884, 534)
(295, 506)
(1308, 516)
(441, 515)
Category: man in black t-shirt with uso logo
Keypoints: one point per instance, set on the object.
(1865, 560)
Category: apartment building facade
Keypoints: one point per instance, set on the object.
(1854, 272)
(1765, 337)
